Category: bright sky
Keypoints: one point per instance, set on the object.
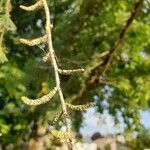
(146, 118)
(104, 124)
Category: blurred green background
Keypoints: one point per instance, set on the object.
(83, 29)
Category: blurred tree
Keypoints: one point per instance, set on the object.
(90, 34)
(142, 140)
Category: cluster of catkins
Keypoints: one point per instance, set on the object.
(50, 56)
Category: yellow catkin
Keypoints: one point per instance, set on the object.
(56, 118)
(80, 107)
(46, 57)
(70, 72)
(39, 101)
(61, 135)
(32, 7)
(33, 42)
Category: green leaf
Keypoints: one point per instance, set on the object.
(3, 57)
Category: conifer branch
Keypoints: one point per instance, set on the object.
(33, 42)
(39, 101)
(32, 7)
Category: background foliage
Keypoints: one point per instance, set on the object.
(82, 30)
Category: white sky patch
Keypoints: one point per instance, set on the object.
(145, 118)
(103, 123)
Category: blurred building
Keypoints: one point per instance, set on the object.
(109, 142)
(99, 142)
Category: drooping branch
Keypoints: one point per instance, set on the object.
(54, 63)
(92, 76)
(50, 56)
(48, 39)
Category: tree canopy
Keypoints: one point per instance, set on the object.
(110, 39)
